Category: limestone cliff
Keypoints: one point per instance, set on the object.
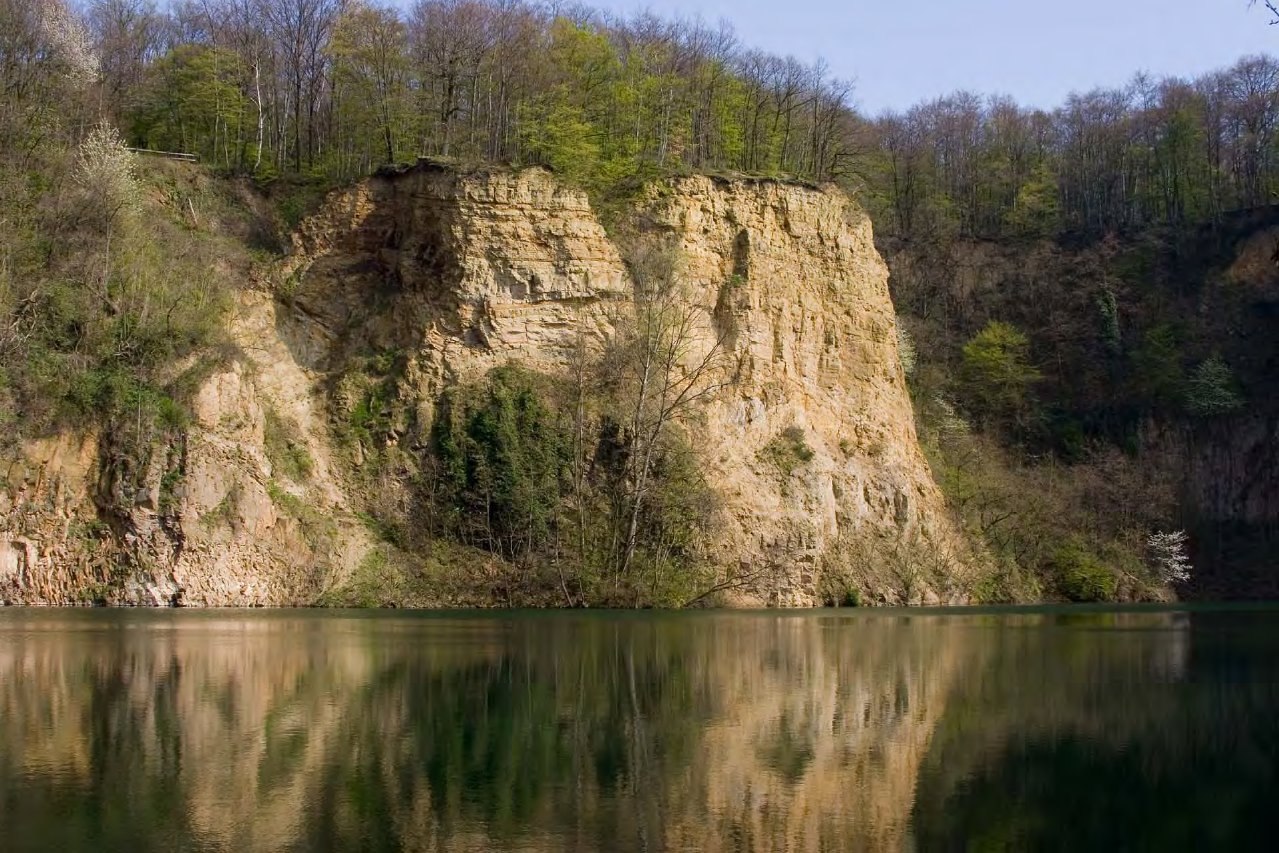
(791, 278)
(412, 281)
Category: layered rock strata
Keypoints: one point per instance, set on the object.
(450, 274)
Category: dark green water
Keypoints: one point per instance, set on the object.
(941, 730)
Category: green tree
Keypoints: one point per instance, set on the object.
(193, 103)
(996, 376)
(1037, 208)
(1157, 376)
(558, 135)
(505, 459)
(369, 50)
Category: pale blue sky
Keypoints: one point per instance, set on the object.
(903, 52)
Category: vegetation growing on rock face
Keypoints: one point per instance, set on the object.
(585, 483)
(517, 469)
(284, 448)
(114, 274)
(504, 464)
(787, 451)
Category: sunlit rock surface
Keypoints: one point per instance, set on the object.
(447, 275)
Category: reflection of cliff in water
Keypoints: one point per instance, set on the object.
(274, 732)
(740, 731)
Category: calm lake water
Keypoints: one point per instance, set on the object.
(933, 730)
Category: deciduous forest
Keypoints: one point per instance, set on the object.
(335, 89)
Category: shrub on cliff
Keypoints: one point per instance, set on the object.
(1080, 574)
(504, 461)
(586, 485)
(787, 451)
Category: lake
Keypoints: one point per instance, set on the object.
(1013, 729)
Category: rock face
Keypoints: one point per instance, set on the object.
(809, 438)
(794, 288)
(460, 272)
(208, 521)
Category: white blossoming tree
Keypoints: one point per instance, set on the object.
(109, 194)
(906, 352)
(69, 40)
(1168, 555)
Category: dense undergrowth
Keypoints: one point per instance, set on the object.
(1063, 386)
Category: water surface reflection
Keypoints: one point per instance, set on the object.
(314, 731)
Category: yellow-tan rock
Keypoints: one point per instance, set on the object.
(452, 274)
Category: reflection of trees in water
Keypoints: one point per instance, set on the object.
(1134, 731)
(620, 732)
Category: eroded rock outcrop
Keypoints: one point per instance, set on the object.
(790, 279)
(409, 282)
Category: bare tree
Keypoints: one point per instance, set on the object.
(675, 365)
(449, 38)
(128, 36)
(301, 30)
(1271, 7)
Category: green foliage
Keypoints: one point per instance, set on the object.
(284, 449)
(224, 511)
(194, 102)
(386, 531)
(371, 65)
(317, 525)
(1157, 375)
(525, 468)
(285, 500)
(1108, 316)
(1029, 519)
(169, 484)
(559, 136)
(1081, 576)
(838, 591)
(996, 376)
(504, 458)
(369, 400)
(677, 522)
(787, 450)
(115, 297)
(1036, 210)
(1213, 389)
(298, 198)
(372, 584)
